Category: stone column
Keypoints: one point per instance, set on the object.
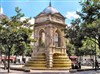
(49, 59)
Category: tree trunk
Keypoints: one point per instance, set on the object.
(0, 56)
(8, 60)
(99, 41)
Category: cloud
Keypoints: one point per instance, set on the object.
(23, 18)
(30, 21)
(72, 15)
(68, 24)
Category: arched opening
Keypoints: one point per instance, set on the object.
(57, 39)
(42, 38)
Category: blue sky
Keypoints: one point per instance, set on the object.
(31, 8)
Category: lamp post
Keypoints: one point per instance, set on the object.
(95, 52)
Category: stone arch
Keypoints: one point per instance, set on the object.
(42, 38)
(57, 38)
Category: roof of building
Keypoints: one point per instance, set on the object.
(50, 9)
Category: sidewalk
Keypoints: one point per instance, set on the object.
(87, 70)
(2, 71)
(86, 67)
(18, 68)
(15, 66)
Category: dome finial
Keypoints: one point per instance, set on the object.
(50, 3)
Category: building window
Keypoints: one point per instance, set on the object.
(57, 39)
(42, 38)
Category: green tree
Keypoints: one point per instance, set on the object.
(92, 32)
(89, 26)
(15, 33)
(90, 16)
(74, 34)
(70, 48)
(90, 11)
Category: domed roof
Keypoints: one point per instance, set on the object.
(50, 9)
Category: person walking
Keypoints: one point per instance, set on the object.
(79, 65)
(96, 64)
(4, 62)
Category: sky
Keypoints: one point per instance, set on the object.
(31, 8)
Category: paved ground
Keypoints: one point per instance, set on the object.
(19, 66)
(48, 72)
(2, 71)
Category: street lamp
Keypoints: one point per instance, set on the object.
(95, 52)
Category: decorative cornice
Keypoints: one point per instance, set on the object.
(50, 22)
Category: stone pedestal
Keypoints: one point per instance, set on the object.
(50, 60)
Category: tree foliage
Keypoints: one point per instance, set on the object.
(15, 33)
(74, 33)
(87, 27)
(90, 11)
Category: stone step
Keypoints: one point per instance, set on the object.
(36, 65)
(37, 59)
(61, 68)
(61, 62)
(60, 57)
(39, 68)
(59, 54)
(34, 62)
(61, 65)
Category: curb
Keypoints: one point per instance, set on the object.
(79, 70)
(18, 69)
(87, 69)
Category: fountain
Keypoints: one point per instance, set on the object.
(50, 48)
